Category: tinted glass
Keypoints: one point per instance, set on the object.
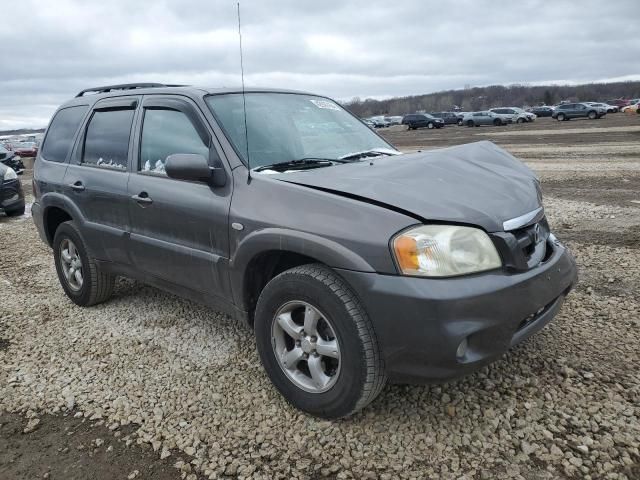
(107, 139)
(165, 132)
(61, 132)
(283, 127)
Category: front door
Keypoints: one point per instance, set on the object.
(179, 230)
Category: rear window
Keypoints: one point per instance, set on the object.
(107, 140)
(61, 132)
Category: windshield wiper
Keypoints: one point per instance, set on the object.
(299, 164)
(366, 153)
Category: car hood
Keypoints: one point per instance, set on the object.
(478, 183)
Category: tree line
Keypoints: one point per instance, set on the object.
(482, 98)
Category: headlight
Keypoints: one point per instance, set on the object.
(10, 174)
(444, 250)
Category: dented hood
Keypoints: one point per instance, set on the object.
(478, 183)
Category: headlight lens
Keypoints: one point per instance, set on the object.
(10, 174)
(444, 251)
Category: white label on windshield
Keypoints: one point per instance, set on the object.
(325, 104)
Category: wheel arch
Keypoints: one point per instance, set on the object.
(56, 209)
(264, 254)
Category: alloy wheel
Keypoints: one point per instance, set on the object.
(71, 264)
(306, 346)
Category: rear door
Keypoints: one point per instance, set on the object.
(97, 176)
(179, 229)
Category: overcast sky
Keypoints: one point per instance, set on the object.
(52, 49)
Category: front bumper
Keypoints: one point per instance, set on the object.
(421, 322)
(11, 195)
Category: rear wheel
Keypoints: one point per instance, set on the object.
(592, 115)
(82, 279)
(317, 343)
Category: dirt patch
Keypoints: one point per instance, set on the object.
(629, 238)
(622, 191)
(69, 448)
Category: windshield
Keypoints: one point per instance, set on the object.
(283, 126)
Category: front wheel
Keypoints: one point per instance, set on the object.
(470, 123)
(430, 125)
(520, 120)
(460, 123)
(16, 212)
(560, 117)
(317, 343)
(592, 115)
(497, 122)
(82, 279)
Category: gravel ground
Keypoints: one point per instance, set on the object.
(168, 376)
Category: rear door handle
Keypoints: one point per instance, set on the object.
(77, 186)
(142, 198)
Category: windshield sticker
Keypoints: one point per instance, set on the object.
(325, 104)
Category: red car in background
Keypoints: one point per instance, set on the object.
(619, 102)
(25, 149)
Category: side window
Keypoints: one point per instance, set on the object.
(106, 142)
(61, 132)
(165, 132)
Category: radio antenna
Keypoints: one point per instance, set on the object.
(244, 100)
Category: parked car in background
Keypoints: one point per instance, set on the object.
(422, 120)
(11, 193)
(368, 123)
(432, 264)
(568, 111)
(449, 118)
(11, 159)
(25, 149)
(618, 102)
(379, 122)
(514, 114)
(632, 108)
(606, 106)
(394, 120)
(542, 111)
(476, 119)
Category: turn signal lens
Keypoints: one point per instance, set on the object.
(444, 250)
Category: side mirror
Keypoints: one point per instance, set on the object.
(194, 167)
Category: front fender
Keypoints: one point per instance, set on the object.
(265, 240)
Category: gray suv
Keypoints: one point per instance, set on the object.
(353, 263)
(568, 111)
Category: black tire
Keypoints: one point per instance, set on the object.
(460, 123)
(361, 375)
(520, 120)
(497, 122)
(560, 117)
(97, 285)
(16, 212)
(430, 125)
(592, 115)
(470, 123)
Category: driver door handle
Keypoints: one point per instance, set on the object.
(142, 198)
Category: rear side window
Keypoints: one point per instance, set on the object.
(165, 132)
(106, 142)
(61, 132)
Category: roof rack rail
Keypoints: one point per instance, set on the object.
(124, 86)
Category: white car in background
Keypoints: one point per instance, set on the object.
(514, 114)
